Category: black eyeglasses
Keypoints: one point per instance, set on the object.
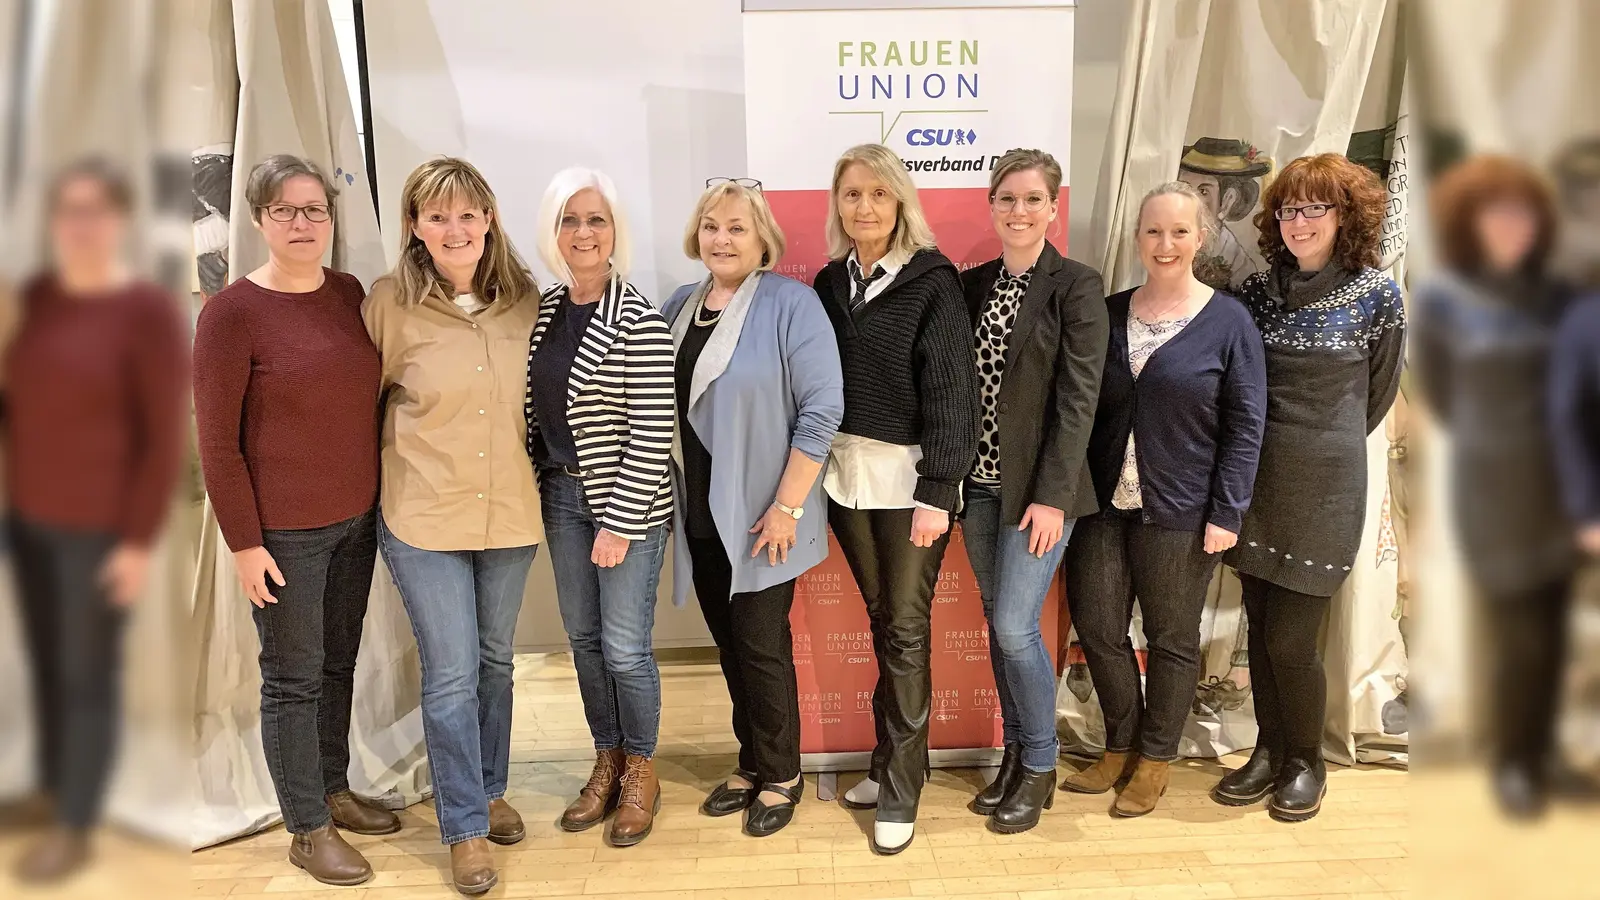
(283, 212)
(750, 183)
(1310, 211)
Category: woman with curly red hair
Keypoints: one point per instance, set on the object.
(1333, 326)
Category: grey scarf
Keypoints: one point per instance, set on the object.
(1293, 289)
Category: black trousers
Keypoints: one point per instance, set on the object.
(757, 654)
(1114, 558)
(1528, 642)
(309, 641)
(1286, 676)
(897, 579)
(73, 633)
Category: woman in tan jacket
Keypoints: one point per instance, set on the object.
(460, 515)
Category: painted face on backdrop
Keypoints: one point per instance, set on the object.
(302, 239)
(729, 246)
(1169, 235)
(454, 230)
(1208, 186)
(1022, 209)
(587, 237)
(868, 209)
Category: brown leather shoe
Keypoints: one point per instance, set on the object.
(56, 856)
(641, 800)
(325, 856)
(598, 797)
(505, 825)
(1149, 782)
(359, 816)
(1103, 775)
(472, 866)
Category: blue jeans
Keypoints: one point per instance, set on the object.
(1014, 583)
(608, 614)
(463, 606)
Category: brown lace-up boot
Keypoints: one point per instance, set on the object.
(599, 796)
(641, 800)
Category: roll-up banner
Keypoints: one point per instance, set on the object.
(950, 87)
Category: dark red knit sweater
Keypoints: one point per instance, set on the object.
(95, 409)
(286, 400)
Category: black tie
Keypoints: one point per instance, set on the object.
(859, 298)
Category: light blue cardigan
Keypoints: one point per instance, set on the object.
(768, 380)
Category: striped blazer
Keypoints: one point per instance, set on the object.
(621, 408)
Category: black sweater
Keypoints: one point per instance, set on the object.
(909, 373)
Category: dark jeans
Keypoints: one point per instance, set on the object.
(73, 634)
(757, 654)
(1114, 558)
(1286, 677)
(608, 615)
(897, 580)
(1527, 639)
(309, 641)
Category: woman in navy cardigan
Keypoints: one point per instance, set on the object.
(1173, 455)
(760, 395)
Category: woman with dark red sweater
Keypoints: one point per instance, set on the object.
(286, 399)
(92, 446)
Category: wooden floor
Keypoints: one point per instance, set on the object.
(1190, 847)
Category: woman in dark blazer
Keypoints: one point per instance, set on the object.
(906, 444)
(1040, 339)
(1176, 439)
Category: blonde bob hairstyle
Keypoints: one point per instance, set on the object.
(502, 275)
(911, 232)
(563, 187)
(767, 231)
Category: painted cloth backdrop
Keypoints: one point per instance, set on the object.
(1221, 94)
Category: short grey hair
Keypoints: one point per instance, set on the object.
(1208, 224)
(268, 177)
(563, 186)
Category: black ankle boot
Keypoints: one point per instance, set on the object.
(1253, 781)
(988, 799)
(1302, 782)
(1033, 793)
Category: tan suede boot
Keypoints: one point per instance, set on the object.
(1149, 782)
(1103, 775)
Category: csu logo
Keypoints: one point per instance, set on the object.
(940, 137)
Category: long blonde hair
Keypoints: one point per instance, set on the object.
(911, 232)
(502, 275)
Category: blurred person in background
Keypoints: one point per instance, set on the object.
(1334, 331)
(94, 412)
(286, 402)
(1486, 328)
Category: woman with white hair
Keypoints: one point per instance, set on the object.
(459, 511)
(908, 439)
(760, 396)
(600, 421)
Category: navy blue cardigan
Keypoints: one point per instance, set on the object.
(1197, 412)
(1575, 409)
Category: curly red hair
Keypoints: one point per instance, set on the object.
(1463, 191)
(1328, 178)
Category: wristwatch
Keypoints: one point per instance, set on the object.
(794, 512)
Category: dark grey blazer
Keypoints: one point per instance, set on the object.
(1054, 361)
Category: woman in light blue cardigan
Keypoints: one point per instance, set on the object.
(760, 394)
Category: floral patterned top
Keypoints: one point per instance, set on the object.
(1144, 339)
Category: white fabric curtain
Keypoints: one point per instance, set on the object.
(1223, 93)
(292, 98)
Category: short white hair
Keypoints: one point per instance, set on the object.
(563, 186)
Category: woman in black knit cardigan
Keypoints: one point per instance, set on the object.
(908, 439)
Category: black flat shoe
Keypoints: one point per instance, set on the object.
(725, 801)
(1302, 783)
(1032, 793)
(1252, 782)
(988, 799)
(762, 820)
